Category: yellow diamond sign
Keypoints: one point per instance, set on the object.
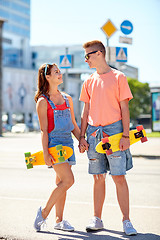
(108, 28)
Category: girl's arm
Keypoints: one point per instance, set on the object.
(41, 108)
(84, 124)
(76, 130)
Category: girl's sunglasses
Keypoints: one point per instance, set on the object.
(45, 70)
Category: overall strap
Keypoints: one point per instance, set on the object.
(66, 99)
(49, 101)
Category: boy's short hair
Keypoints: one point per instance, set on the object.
(98, 45)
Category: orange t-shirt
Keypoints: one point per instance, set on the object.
(104, 92)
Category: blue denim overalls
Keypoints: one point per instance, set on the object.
(61, 134)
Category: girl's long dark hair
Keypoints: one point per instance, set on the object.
(43, 85)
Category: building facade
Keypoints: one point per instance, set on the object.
(16, 33)
(21, 63)
(18, 91)
(20, 99)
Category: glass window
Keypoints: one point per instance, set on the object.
(17, 30)
(16, 7)
(15, 18)
(12, 57)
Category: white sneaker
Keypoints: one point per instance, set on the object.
(39, 221)
(64, 225)
(95, 224)
(128, 228)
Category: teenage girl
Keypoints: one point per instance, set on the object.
(57, 122)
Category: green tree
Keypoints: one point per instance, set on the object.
(140, 104)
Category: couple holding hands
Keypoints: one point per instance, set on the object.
(108, 88)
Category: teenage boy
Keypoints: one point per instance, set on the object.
(106, 95)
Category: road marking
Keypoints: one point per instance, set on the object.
(74, 202)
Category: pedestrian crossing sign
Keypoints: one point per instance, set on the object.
(65, 61)
(121, 54)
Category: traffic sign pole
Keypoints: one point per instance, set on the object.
(108, 51)
(66, 74)
(107, 42)
(109, 29)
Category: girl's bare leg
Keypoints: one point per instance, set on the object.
(65, 175)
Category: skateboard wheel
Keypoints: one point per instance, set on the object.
(27, 154)
(59, 147)
(109, 152)
(30, 165)
(144, 139)
(104, 140)
(61, 159)
(140, 128)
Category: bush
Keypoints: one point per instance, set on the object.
(141, 102)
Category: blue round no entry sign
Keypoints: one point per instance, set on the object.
(126, 27)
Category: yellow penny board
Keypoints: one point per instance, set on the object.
(60, 154)
(108, 145)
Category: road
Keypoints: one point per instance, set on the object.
(22, 191)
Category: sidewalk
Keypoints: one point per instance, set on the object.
(149, 149)
(22, 191)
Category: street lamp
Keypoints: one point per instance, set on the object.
(2, 20)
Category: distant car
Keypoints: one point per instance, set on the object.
(20, 128)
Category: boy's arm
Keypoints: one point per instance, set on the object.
(124, 142)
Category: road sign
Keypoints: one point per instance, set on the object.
(65, 61)
(126, 27)
(125, 40)
(121, 54)
(116, 54)
(111, 54)
(108, 28)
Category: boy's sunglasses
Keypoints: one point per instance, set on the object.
(45, 70)
(87, 55)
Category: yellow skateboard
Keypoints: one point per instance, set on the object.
(60, 154)
(108, 145)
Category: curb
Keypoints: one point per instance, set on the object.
(146, 156)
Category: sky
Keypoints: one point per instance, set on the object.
(70, 22)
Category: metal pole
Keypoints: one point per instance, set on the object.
(1, 25)
(108, 51)
(107, 42)
(66, 74)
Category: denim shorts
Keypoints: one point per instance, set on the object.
(117, 163)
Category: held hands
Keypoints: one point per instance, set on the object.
(83, 145)
(49, 160)
(124, 143)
